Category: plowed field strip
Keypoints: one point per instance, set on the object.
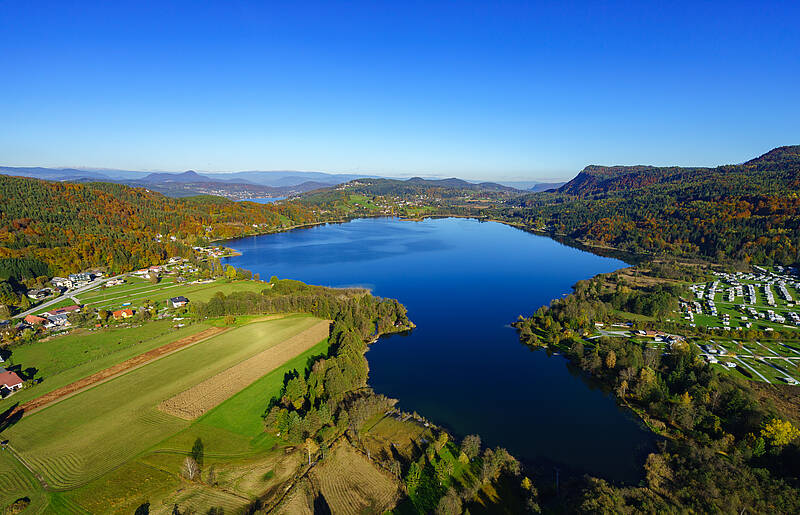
(113, 371)
(191, 403)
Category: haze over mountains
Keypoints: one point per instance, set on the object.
(237, 185)
(264, 178)
(592, 180)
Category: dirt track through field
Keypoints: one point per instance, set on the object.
(191, 403)
(113, 371)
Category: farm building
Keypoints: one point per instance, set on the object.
(179, 301)
(63, 311)
(122, 313)
(34, 320)
(9, 380)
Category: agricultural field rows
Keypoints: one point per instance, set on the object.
(62, 359)
(89, 434)
(234, 442)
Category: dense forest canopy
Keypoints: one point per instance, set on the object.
(72, 226)
(748, 212)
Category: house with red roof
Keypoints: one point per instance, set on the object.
(9, 380)
(34, 320)
(122, 313)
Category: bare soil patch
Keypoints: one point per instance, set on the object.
(191, 403)
(113, 371)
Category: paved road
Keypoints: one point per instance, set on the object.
(68, 294)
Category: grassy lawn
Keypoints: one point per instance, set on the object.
(114, 297)
(633, 317)
(234, 429)
(16, 482)
(231, 433)
(362, 201)
(88, 435)
(132, 285)
(125, 489)
(62, 360)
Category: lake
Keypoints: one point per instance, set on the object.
(463, 282)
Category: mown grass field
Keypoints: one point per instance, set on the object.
(62, 360)
(85, 436)
(234, 441)
(138, 290)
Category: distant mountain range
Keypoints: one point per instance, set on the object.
(264, 178)
(246, 184)
(234, 185)
(545, 186)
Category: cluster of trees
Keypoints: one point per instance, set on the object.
(20, 269)
(728, 450)
(431, 481)
(331, 395)
(598, 300)
(364, 313)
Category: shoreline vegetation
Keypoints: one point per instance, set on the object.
(710, 421)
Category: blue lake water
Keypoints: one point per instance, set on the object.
(463, 282)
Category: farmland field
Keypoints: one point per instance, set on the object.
(235, 442)
(61, 360)
(347, 482)
(87, 435)
(350, 483)
(191, 403)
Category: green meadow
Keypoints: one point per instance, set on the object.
(90, 434)
(138, 290)
(61, 360)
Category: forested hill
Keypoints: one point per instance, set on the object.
(72, 226)
(778, 168)
(417, 185)
(748, 212)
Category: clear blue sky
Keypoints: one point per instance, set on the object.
(501, 90)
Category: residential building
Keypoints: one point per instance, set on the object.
(61, 282)
(122, 313)
(9, 380)
(34, 320)
(179, 302)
